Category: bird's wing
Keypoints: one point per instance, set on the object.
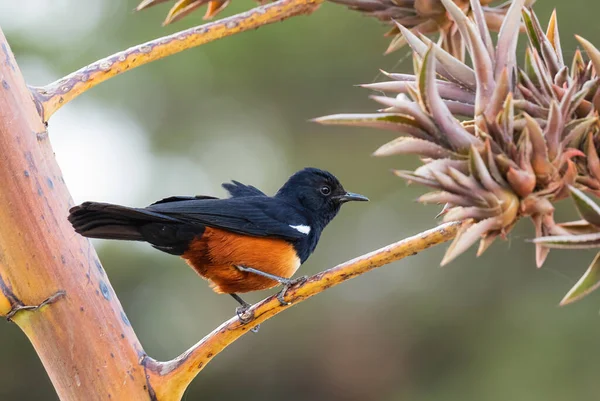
(237, 189)
(182, 198)
(259, 216)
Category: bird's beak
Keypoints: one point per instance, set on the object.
(349, 196)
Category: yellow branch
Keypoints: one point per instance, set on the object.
(170, 379)
(53, 96)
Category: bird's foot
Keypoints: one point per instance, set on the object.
(246, 316)
(243, 312)
(286, 286)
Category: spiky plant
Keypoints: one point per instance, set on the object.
(530, 132)
(583, 234)
(428, 17)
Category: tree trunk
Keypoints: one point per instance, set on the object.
(80, 332)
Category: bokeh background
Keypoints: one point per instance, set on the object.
(479, 329)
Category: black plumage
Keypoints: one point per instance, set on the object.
(297, 213)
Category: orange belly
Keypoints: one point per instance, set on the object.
(215, 255)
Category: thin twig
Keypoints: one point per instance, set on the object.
(170, 379)
(53, 96)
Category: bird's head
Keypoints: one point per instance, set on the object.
(318, 192)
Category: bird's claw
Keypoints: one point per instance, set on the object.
(246, 317)
(243, 314)
(286, 286)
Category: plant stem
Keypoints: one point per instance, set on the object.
(56, 94)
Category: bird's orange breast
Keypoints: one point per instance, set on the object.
(215, 254)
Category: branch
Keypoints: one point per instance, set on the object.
(52, 284)
(53, 96)
(170, 379)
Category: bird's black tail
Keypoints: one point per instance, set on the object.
(103, 220)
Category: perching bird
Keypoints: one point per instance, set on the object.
(248, 242)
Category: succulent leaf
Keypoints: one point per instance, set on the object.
(578, 227)
(148, 3)
(482, 27)
(541, 252)
(586, 284)
(387, 121)
(407, 145)
(583, 241)
(464, 240)
(507, 39)
(554, 37)
(443, 197)
(183, 8)
(449, 67)
(592, 52)
(482, 61)
(587, 208)
(457, 136)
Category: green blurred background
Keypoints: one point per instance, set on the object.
(479, 329)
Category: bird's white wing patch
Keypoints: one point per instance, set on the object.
(302, 228)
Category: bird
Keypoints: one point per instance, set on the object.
(247, 242)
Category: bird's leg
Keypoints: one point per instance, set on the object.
(279, 279)
(241, 310)
(286, 287)
(286, 282)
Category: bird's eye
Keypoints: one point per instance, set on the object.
(325, 190)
